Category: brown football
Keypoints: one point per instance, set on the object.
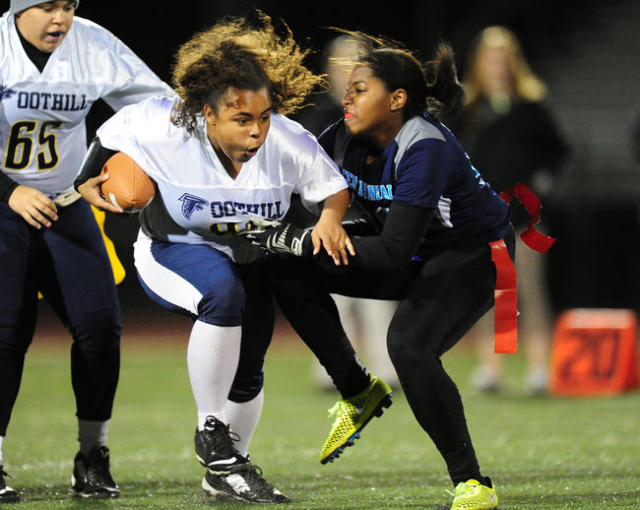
(128, 186)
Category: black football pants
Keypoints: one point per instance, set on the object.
(69, 265)
(440, 298)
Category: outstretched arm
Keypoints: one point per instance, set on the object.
(404, 229)
(329, 233)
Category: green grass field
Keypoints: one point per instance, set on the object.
(542, 453)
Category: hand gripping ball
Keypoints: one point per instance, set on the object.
(128, 186)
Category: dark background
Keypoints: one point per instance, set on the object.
(580, 50)
(155, 31)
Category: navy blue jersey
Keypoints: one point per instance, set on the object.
(426, 167)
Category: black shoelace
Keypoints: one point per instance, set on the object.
(220, 437)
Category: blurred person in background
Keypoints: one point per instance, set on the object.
(511, 137)
(365, 320)
(54, 67)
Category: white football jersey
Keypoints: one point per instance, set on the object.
(194, 189)
(42, 115)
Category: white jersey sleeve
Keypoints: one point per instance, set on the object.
(320, 179)
(129, 79)
(318, 176)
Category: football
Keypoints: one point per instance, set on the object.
(128, 186)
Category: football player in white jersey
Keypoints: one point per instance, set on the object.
(53, 67)
(224, 157)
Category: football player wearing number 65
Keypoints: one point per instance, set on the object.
(54, 67)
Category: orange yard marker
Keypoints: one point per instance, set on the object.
(594, 352)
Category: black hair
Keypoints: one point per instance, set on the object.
(431, 87)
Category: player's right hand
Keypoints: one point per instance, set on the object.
(92, 193)
(35, 207)
(285, 238)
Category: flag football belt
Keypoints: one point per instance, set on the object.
(506, 291)
(66, 198)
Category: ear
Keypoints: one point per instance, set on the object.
(398, 99)
(210, 115)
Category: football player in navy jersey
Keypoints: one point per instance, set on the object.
(55, 66)
(431, 218)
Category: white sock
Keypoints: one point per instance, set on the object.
(212, 360)
(92, 434)
(243, 418)
(1, 438)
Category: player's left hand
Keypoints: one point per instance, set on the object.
(335, 240)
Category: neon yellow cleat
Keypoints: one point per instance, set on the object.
(351, 416)
(472, 495)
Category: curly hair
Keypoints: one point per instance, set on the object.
(432, 86)
(235, 54)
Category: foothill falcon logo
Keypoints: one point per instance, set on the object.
(191, 203)
(6, 93)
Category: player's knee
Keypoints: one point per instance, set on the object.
(243, 394)
(12, 339)
(98, 331)
(16, 333)
(223, 306)
(395, 346)
(402, 346)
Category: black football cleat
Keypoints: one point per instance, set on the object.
(249, 484)
(244, 483)
(91, 476)
(7, 494)
(215, 449)
(218, 488)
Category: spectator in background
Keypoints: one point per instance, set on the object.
(365, 320)
(511, 137)
(326, 105)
